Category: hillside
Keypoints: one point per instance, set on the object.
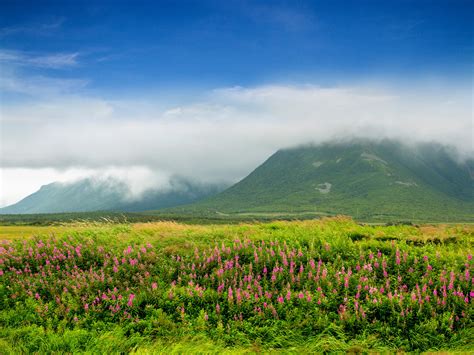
(367, 180)
(107, 195)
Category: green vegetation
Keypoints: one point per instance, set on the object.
(47, 219)
(307, 286)
(90, 195)
(369, 181)
(60, 218)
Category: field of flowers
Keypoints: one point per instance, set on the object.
(291, 286)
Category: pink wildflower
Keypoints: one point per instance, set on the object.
(130, 300)
(133, 262)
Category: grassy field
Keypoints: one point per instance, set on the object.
(202, 217)
(303, 286)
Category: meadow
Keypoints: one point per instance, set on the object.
(299, 286)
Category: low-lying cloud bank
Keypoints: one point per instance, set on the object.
(220, 137)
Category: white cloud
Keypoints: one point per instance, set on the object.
(16, 183)
(39, 86)
(52, 112)
(221, 137)
(16, 82)
(51, 61)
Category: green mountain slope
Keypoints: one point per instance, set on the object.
(107, 195)
(367, 180)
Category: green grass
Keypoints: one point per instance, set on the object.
(168, 314)
(47, 219)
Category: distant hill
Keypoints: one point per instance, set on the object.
(367, 180)
(108, 195)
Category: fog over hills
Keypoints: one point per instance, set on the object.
(109, 195)
(219, 135)
(364, 179)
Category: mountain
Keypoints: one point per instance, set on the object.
(108, 195)
(365, 179)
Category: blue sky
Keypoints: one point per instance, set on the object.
(171, 44)
(142, 91)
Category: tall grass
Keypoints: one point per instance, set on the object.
(309, 286)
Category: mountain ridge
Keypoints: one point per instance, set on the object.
(90, 195)
(369, 180)
(363, 179)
